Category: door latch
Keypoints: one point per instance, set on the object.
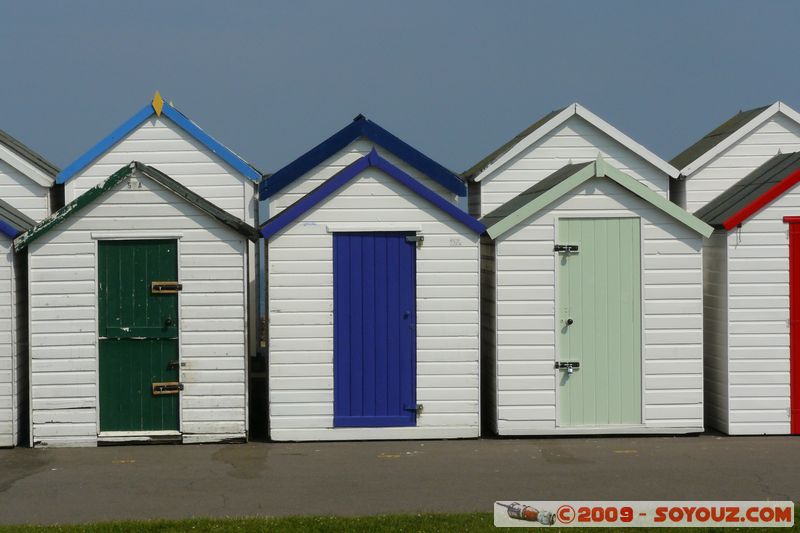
(416, 408)
(165, 287)
(566, 248)
(569, 366)
(167, 387)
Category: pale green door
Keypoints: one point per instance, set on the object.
(599, 322)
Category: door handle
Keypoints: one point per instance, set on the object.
(168, 321)
(570, 321)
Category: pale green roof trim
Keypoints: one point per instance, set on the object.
(509, 215)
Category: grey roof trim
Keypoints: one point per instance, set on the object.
(15, 217)
(748, 189)
(35, 159)
(715, 136)
(476, 169)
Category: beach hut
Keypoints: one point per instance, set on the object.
(373, 298)
(592, 322)
(731, 151)
(160, 135)
(752, 302)
(138, 315)
(572, 134)
(25, 182)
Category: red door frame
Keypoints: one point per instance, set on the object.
(794, 323)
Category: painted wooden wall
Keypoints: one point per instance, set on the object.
(715, 329)
(779, 134)
(8, 360)
(672, 316)
(63, 307)
(758, 320)
(575, 141)
(300, 307)
(23, 193)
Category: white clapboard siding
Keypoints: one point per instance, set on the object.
(758, 321)
(715, 330)
(300, 307)
(779, 134)
(525, 317)
(23, 193)
(350, 153)
(574, 141)
(212, 317)
(8, 360)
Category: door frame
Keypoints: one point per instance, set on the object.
(794, 325)
(117, 436)
(556, 345)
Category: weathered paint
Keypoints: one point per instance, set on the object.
(212, 265)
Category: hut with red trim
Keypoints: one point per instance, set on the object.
(751, 282)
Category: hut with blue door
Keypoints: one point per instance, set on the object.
(138, 315)
(26, 181)
(373, 294)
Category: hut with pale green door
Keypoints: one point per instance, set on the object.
(592, 314)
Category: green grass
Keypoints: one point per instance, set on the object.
(433, 523)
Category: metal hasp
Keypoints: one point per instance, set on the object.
(566, 248)
(165, 287)
(415, 239)
(167, 387)
(416, 408)
(569, 366)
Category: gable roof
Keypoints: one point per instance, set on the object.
(13, 221)
(536, 131)
(361, 127)
(134, 169)
(26, 160)
(159, 108)
(753, 192)
(332, 184)
(727, 134)
(566, 179)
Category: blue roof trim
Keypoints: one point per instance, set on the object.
(361, 127)
(8, 230)
(100, 148)
(373, 159)
(175, 116)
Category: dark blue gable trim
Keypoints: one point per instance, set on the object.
(361, 127)
(304, 204)
(175, 116)
(8, 230)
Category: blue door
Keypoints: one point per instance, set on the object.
(374, 338)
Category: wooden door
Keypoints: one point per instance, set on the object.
(138, 335)
(599, 322)
(374, 309)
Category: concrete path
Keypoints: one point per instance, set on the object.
(359, 478)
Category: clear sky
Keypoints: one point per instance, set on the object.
(453, 78)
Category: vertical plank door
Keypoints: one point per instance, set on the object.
(138, 335)
(374, 310)
(599, 322)
(794, 324)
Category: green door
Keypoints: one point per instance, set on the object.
(599, 324)
(138, 333)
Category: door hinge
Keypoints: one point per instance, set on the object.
(415, 239)
(416, 408)
(566, 248)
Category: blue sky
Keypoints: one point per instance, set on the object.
(453, 78)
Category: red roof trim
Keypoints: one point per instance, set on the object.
(791, 220)
(756, 205)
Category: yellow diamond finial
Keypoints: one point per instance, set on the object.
(158, 103)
